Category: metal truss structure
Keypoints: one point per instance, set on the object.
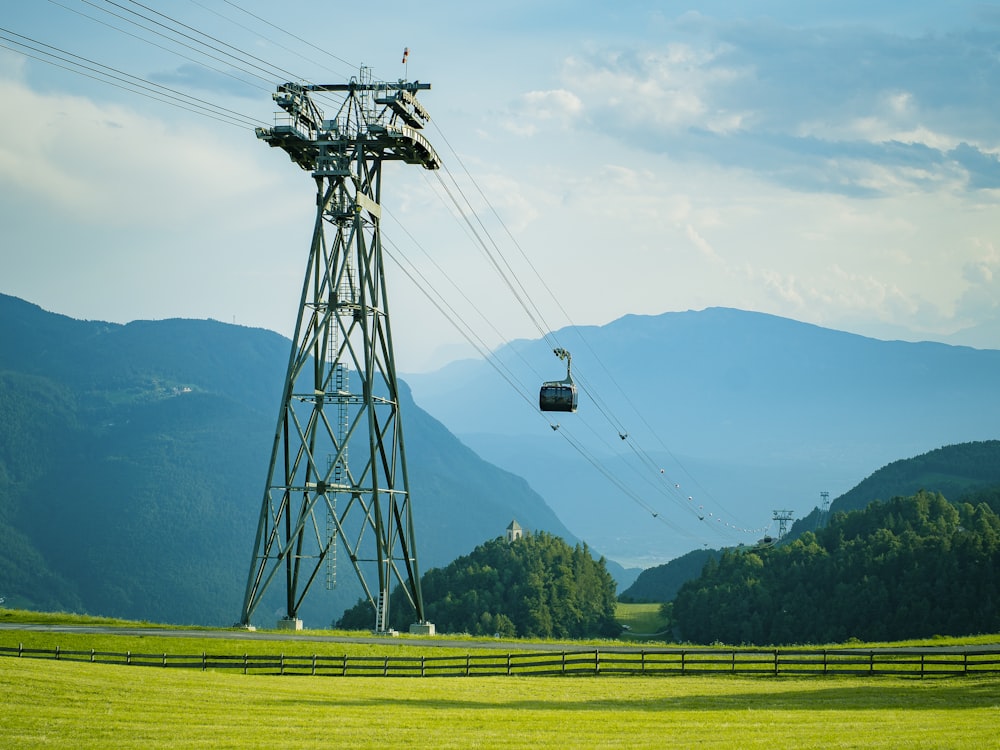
(337, 485)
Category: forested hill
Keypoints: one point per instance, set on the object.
(133, 457)
(662, 582)
(952, 470)
(955, 471)
(907, 568)
(536, 586)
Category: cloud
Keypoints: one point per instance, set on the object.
(982, 297)
(191, 76)
(830, 109)
(534, 110)
(701, 244)
(983, 169)
(664, 90)
(984, 269)
(108, 165)
(12, 64)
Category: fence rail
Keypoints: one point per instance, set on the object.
(912, 662)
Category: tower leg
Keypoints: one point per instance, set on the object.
(332, 443)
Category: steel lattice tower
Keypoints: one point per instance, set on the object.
(782, 517)
(338, 467)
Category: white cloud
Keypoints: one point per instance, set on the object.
(835, 109)
(825, 170)
(983, 269)
(557, 108)
(107, 165)
(114, 214)
(660, 90)
(981, 299)
(703, 245)
(784, 286)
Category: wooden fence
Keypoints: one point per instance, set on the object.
(900, 662)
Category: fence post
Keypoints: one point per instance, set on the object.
(734, 660)
(93, 654)
(775, 662)
(508, 663)
(57, 653)
(128, 658)
(204, 661)
(164, 658)
(683, 653)
(343, 672)
(597, 661)
(564, 662)
(468, 659)
(824, 661)
(965, 662)
(20, 650)
(314, 664)
(922, 655)
(871, 662)
(281, 664)
(245, 663)
(642, 661)
(423, 670)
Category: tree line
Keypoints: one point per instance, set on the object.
(911, 567)
(533, 587)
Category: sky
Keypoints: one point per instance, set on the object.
(832, 162)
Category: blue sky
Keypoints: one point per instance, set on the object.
(829, 162)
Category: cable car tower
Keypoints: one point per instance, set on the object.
(338, 475)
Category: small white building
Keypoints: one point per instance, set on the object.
(514, 531)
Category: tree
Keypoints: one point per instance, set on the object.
(537, 586)
(911, 567)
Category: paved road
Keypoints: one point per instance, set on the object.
(433, 641)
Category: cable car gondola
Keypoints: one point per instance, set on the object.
(559, 395)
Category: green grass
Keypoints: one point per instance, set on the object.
(64, 618)
(62, 704)
(50, 704)
(217, 646)
(642, 620)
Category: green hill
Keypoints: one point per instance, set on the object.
(662, 582)
(953, 470)
(133, 457)
(911, 567)
(958, 472)
(536, 586)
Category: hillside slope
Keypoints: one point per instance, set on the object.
(966, 472)
(133, 457)
(911, 567)
(952, 470)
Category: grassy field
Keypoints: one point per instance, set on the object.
(642, 621)
(61, 704)
(48, 704)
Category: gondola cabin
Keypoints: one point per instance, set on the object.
(559, 395)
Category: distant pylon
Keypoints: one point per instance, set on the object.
(824, 509)
(338, 474)
(782, 517)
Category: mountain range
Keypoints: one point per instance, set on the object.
(133, 457)
(728, 416)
